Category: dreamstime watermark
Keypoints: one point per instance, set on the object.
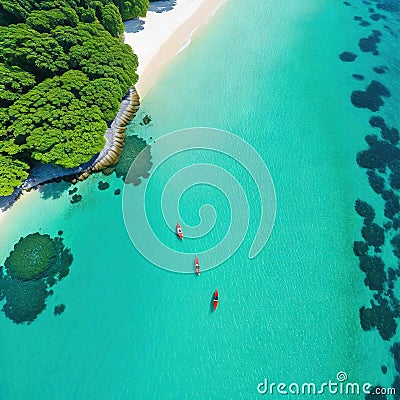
(182, 144)
(339, 386)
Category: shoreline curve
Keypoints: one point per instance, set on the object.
(163, 35)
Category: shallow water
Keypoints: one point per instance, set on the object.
(270, 73)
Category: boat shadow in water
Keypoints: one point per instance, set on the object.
(212, 304)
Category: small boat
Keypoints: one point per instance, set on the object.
(215, 299)
(179, 231)
(197, 266)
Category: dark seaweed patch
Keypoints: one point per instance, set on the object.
(371, 98)
(380, 317)
(358, 77)
(117, 192)
(373, 234)
(392, 205)
(380, 69)
(396, 245)
(377, 122)
(395, 350)
(347, 56)
(374, 269)
(364, 23)
(377, 16)
(394, 179)
(387, 133)
(365, 210)
(360, 248)
(388, 225)
(376, 182)
(370, 43)
(368, 318)
(391, 6)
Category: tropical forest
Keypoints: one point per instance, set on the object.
(64, 70)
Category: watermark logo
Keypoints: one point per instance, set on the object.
(136, 200)
(340, 386)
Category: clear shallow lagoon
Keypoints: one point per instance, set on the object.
(270, 73)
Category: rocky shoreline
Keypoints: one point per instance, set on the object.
(109, 155)
(114, 135)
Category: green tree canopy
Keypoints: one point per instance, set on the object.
(13, 172)
(106, 92)
(46, 20)
(58, 126)
(111, 20)
(132, 8)
(37, 53)
(14, 82)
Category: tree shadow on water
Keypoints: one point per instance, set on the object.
(134, 25)
(162, 6)
(54, 190)
(7, 201)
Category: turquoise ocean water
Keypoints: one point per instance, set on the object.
(268, 72)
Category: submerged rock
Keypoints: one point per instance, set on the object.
(146, 119)
(103, 185)
(76, 198)
(33, 267)
(59, 309)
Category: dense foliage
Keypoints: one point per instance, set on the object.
(63, 72)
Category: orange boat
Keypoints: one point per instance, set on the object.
(197, 266)
(215, 299)
(179, 231)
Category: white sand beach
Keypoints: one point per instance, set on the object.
(167, 29)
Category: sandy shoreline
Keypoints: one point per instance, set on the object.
(160, 36)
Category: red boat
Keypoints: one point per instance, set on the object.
(215, 299)
(179, 231)
(197, 265)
